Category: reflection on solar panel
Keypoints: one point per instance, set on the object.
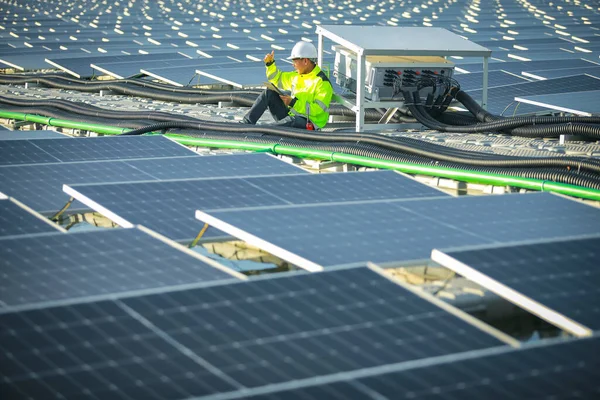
(228, 337)
(16, 135)
(85, 265)
(502, 97)
(184, 75)
(326, 235)
(557, 280)
(126, 66)
(580, 103)
(89, 149)
(17, 220)
(80, 65)
(548, 369)
(474, 81)
(560, 73)
(168, 207)
(254, 75)
(40, 185)
(516, 67)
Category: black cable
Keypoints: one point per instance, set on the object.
(385, 142)
(579, 178)
(581, 128)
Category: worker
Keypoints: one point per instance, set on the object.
(307, 106)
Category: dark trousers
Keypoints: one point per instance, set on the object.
(271, 100)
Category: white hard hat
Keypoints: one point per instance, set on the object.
(303, 50)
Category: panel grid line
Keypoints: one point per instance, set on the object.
(184, 350)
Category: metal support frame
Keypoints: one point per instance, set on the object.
(484, 94)
(471, 50)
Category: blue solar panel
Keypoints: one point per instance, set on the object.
(55, 267)
(516, 67)
(89, 149)
(560, 275)
(20, 135)
(225, 338)
(40, 185)
(128, 68)
(326, 235)
(502, 98)
(474, 81)
(552, 369)
(561, 73)
(18, 221)
(581, 103)
(168, 207)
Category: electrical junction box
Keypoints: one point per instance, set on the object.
(387, 76)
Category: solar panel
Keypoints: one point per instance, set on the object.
(183, 75)
(89, 149)
(17, 220)
(85, 265)
(517, 67)
(556, 368)
(253, 74)
(561, 73)
(126, 67)
(224, 338)
(219, 166)
(168, 207)
(317, 236)
(5, 134)
(580, 103)
(557, 280)
(502, 97)
(474, 81)
(40, 185)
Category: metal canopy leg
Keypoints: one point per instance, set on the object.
(485, 83)
(360, 91)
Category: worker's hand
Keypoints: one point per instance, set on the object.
(286, 99)
(269, 58)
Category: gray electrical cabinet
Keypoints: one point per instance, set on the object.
(387, 76)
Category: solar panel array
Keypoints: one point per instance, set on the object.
(18, 221)
(580, 103)
(5, 134)
(40, 185)
(336, 334)
(88, 149)
(168, 207)
(325, 235)
(225, 338)
(72, 37)
(557, 369)
(54, 267)
(502, 98)
(548, 277)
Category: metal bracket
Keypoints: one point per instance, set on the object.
(200, 234)
(62, 210)
(387, 116)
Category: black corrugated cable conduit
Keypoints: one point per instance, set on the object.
(93, 111)
(152, 90)
(474, 108)
(385, 142)
(575, 123)
(562, 175)
(59, 114)
(543, 131)
(584, 179)
(50, 80)
(156, 94)
(401, 144)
